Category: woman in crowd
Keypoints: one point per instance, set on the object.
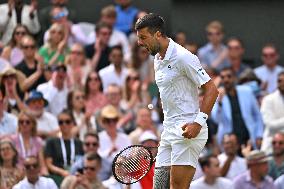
(76, 104)
(135, 93)
(12, 52)
(10, 174)
(60, 153)
(95, 99)
(12, 84)
(54, 51)
(77, 66)
(27, 142)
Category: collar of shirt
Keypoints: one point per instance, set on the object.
(168, 52)
(27, 183)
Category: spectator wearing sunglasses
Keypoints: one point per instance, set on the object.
(270, 69)
(32, 65)
(61, 152)
(214, 53)
(33, 179)
(91, 145)
(87, 177)
(27, 142)
(272, 110)
(276, 164)
(111, 140)
(17, 12)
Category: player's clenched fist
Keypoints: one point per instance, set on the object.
(191, 130)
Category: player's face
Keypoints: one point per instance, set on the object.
(148, 40)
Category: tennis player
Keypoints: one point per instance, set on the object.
(178, 74)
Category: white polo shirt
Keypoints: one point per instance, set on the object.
(42, 183)
(178, 76)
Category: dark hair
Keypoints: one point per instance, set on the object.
(15, 158)
(205, 161)
(153, 22)
(101, 25)
(86, 88)
(69, 113)
(70, 99)
(13, 42)
(91, 134)
(229, 135)
(32, 157)
(93, 156)
(228, 68)
(116, 47)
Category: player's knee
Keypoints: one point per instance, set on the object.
(162, 178)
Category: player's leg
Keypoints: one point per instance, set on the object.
(181, 176)
(162, 178)
(162, 165)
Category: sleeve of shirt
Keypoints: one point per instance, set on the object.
(191, 66)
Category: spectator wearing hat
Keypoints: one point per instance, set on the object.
(8, 122)
(55, 91)
(111, 141)
(13, 85)
(212, 175)
(256, 176)
(47, 125)
(276, 163)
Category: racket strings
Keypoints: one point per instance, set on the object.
(133, 164)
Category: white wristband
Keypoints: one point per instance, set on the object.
(201, 118)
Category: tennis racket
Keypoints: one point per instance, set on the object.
(132, 163)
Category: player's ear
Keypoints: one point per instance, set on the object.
(158, 34)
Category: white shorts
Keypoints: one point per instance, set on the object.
(174, 149)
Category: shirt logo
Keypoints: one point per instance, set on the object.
(169, 66)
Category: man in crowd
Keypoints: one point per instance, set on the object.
(276, 164)
(47, 125)
(55, 91)
(212, 175)
(256, 175)
(232, 164)
(270, 69)
(237, 111)
(88, 178)
(33, 178)
(272, 109)
(91, 145)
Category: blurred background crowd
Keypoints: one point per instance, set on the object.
(73, 94)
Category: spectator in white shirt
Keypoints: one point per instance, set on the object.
(211, 178)
(55, 91)
(116, 72)
(231, 164)
(269, 71)
(47, 125)
(33, 179)
(111, 141)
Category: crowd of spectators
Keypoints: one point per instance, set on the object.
(73, 94)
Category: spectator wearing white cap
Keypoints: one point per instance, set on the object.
(256, 177)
